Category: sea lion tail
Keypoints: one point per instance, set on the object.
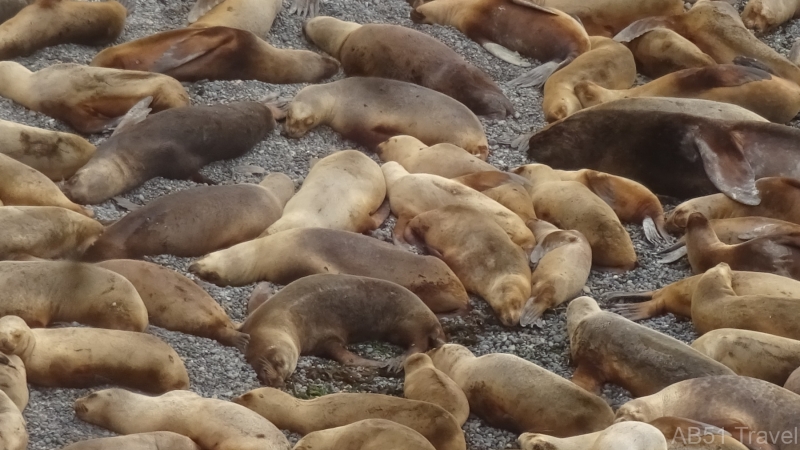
(673, 253)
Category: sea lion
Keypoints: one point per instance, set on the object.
(774, 98)
(445, 160)
(424, 382)
(343, 191)
(45, 23)
(370, 110)
(89, 99)
(47, 292)
(24, 186)
(370, 434)
(609, 64)
(413, 194)
(662, 51)
(505, 188)
(85, 357)
(385, 51)
(210, 422)
(481, 255)
(563, 261)
(138, 149)
(762, 15)
(609, 348)
(793, 383)
(55, 154)
(14, 380)
(9, 8)
(140, 441)
(608, 17)
(511, 393)
(217, 53)
(633, 435)
(196, 221)
(13, 435)
(287, 256)
(320, 314)
(250, 15)
(335, 410)
(177, 303)
(752, 354)
(570, 205)
(45, 232)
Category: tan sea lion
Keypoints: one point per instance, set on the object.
(343, 191)
(685, 434)
(47, 292)
(445, 160)
(24, 186)
(255, 16)
(284, 257)
(633, 435)
(177, 303)
(424, 382)
(89, 99)
(370, 434)
(211, 423)
(10, 8)
(13, 435)
(608, 17)
(14, 380)
(196, 221)
(371, 110)
(55, 154)
(335, 410)
(608, 348)
(514, 394)
(320, 314)
(762, 15)
(404, 54)
(505, 188)
(45, 23)
(85, 357)
(481, 255)
(793, 383)
(45, 232)
(662, 51)
(141, 441)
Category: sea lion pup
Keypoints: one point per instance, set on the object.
(563, 260)
(509, 392)
(136, 152)
(413, 194)
(195, 221)
(46, 23)
(25, 186)
(426, 383)
(343, 191)
(385, 51)
(89, 99)
(48, 292)
(85, 357)
(608, 348)
(445, 160)
(292, 254)
(55, 154)
(320, 314)
(140, 441)
(14, 380)
(370, 110)
(509, 29)
(629, 435)
(335, 410)
(481, 255)
(211, 423)
(45, 232)
(13, 435)
(762, 15)
(570, 205)
(177, 303)
(773, 98)
(250, 15)
(662, 51)
(370, 434)
(217, 53)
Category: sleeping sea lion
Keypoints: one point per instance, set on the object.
(633, 435)
(13, 435)
(138, 441)
(45, 232)
(14, 380)
(424, 382)
(55, 154)
(445, 160)
(369, 434)
(762, 15)
(21, 185)
(662, 51)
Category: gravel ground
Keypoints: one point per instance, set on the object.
(221, 372)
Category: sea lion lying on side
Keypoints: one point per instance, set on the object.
(45, 232)
(21, 185)
(55, 154)
(445, 160)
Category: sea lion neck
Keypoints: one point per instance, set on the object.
(15, 82)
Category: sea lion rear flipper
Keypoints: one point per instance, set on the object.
(535, 4)
(305, 8)
(794, 53)
(522, 142)
(641, 27)
(136, 114)
(200, 8)
(194, 45)
(673, 253)
(505, 54)
(747, 61)
(538, 76)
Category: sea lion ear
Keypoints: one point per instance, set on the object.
(641, 27)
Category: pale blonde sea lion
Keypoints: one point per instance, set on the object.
(13, 435)
(424, 382)
(55, 154)
(445, 160)
(45, 232)
(21, 185)
(255, 16)
(140, 441)
(762, 15)
(14, 379)
(629, 435)
(369, 434)
(662, 51)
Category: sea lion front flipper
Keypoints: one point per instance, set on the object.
(673, 253)
(641, 27)
(535, 4)
(305, 8)
(538, 76)
(505, 54)
(747, 61)
(136, 114)
(200, 8)
(794, 53)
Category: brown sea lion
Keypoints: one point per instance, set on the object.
(13, 435)
(89, 99)
(343, 191)
(210, 422)
(141, 441)
(138, 149)
(217, 53)
(370, 110)
(662, 51)
(45, 23)
(196, 221)
(55, 154)
(335, 410)
(14, 380)
(320, 314)
(45, 232)
(610, 349)
(400, 53)
(608, 17)
(255, 16)
(633, 435)
(762, 15)
(24, 186)
(177, 303)
(287, 256)
(85, 357)
(424, 382)
(511, 393)
(793, 383)
(481, 255)
(47, 292)
(445, 160)
(370, 434)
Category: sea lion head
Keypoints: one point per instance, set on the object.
(95, 407)
(90, 185)
(300, 118)
(448, 356)
(275, 364)
(536, 441)
(15, 335)
(638, 410)
(399, 147)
